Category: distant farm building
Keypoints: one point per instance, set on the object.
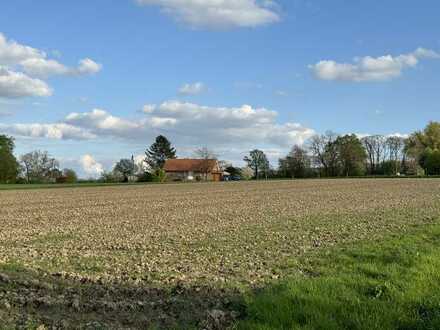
(193, 169)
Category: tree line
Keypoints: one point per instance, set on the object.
(33, 167)
(332, 155)
(325, 155)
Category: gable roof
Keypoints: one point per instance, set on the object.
(191, 165)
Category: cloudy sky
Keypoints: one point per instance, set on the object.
(96, 81)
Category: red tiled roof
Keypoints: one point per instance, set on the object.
(190, 165)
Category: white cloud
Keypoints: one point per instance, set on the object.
(88, 66)
(23, 70)
(192, 89)
(218, 14)
(230, 131)
(17, 84)
(370, 68)
(101, 123)
(149, 108)
(161, 122)
(41, 67)
(90, 166)
(399, 135)
(139, 160)
(426, 53)
(12, 53)
(58, 131)
(188, 124)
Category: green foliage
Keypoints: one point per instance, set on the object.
(390, 167)
(145, 177)
(258, 162)
(430, 161)
(159, 152)
(389, 285)
(7, 142)
(424, 147)
(296, 164)
(159, 176)
(68, 176)
(430, 137)
(351, 155)
(339, 155)
(9, 168)
(233, 171)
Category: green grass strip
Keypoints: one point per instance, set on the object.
(394, 284)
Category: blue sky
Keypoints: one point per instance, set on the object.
(230, 75)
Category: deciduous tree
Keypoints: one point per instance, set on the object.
(296, 164)
(424, 147)
(351, 155)
(258, 162)
(206, 155)
(39, 167)
(395, 145)
(9, 167)
(375, 147)
(325, 153)
(126, 168)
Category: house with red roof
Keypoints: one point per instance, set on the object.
(193, 170)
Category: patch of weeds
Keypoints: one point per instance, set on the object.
(52, 239)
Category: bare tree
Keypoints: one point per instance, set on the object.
(207, 156)
(296, 163)
(325, 152)
(395, 145)
(205, 153)
(375, 146)
(39, 166)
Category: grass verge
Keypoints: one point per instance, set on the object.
(63, 185)
(393, 284)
